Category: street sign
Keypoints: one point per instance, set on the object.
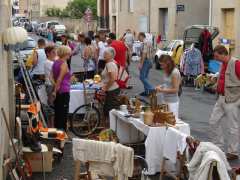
(180, 7)
(88, 15)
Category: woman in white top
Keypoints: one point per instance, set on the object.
(110, 86)
(171, 83)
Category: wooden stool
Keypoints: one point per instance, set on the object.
(85, 175)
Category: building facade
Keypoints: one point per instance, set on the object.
(23, 6)
(39, 7)
(103, 13)
(166, 17)
(225, 14)
(7, 95)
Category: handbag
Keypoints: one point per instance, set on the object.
(122, 76)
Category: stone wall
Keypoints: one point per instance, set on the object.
(6, 89)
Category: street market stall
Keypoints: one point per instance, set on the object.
(77, 98)
(155, 141)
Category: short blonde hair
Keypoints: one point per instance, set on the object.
(63, 51)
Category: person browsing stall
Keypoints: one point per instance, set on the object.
(39, 58)
(89, 59)
(171, 83)
(145, 64)
(110, 86)
(51, 53)
(66, 42)
(62, 79)
(120, 49)
(226, 112)
(101, 48)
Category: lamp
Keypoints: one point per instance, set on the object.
(13, 36)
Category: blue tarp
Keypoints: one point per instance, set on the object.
(214, 66)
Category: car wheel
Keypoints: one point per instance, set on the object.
(157, 65)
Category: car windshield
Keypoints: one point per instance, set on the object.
(168, 46)
(24, 20)
(52, 24)
(28, 45)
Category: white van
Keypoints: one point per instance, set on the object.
(48, 25)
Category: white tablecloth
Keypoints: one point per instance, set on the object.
(77, 99)
(155, 140)
(77, 95)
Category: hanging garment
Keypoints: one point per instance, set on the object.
(205, 45)
(192, 62)
(200, 164)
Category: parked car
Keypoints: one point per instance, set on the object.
(192, 34)
(167, 49)
(31, 27)
(47, 25)
(40, 29)
(34, 26)
(22, 21)
(25, 50)
(58, 30)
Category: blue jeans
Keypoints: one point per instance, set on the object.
(147, 65)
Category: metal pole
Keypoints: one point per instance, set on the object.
(210, 12)
(104, 13)
(149, 16)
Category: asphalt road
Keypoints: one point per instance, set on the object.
(195, 109)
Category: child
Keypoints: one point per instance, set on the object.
(51, 56)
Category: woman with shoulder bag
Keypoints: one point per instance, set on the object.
(110, 86)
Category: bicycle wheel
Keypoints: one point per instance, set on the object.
(85, 120)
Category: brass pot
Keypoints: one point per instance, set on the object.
(148, 117)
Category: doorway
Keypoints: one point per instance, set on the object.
(114, 24)
(163, 22)
(228, 23)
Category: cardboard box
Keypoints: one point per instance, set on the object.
(35, 159)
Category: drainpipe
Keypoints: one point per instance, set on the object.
(210, 12)
(105, 13)
(149, 16)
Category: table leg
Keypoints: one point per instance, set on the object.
(77, 170)
(43, 166)
(116, 124)
(162, 171)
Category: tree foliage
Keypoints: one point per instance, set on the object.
(74, 9)
(53, 12)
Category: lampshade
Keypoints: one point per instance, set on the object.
(14, 35)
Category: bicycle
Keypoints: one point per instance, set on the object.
(86, 119)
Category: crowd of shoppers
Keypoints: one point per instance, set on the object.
(103, 54)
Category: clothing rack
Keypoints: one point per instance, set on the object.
(30, 89)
